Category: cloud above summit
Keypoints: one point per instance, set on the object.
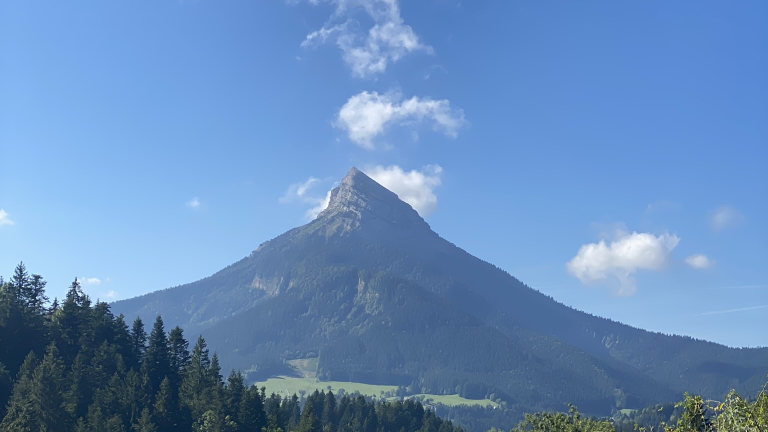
(367, 54)
(416, 187)
(615, 262)
(368, 115)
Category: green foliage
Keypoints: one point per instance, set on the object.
(734, 414)
(560, 422)
(107, 379)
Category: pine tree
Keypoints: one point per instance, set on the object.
(71, 322)
(145, 423)
(309, 422)
(79, 393)
(114, 424)
(35, 296)
(328, 417)
(251, 413)
(233, 395)
(166, 412)
(49, 388)
(178, 356)
(196, 387)
(23, 414)
(157, 358)
(37, 403)
(138, 342)
(6, 387)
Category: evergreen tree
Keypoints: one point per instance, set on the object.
(37, 403)
(166, 408)
(309, 422)
(251, 413)
(233, 395)
(6, 386)
(178, 356)
(197, 388)
(23, 413)
(79, 394)
(138, 342)
(157, 358)
(145, 423)
(71, 323)
(49, 387)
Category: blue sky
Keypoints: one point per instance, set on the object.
(610, 154)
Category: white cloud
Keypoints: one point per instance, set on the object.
(90, 281)
(319, 206)
(4, 219)
(303, 192)
(368, 114)
(699, 261)
(725, 216)
(93, 286)
(414, 187)
(193, 203)
(388, 40)
(616, 263)
(298, 190)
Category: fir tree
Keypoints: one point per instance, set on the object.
(138, 342)
(157, 358)
(145, 423)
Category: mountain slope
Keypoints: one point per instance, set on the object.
(275, 304)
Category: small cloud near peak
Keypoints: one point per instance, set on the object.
(699, 261)
(193, 203)
(725, 216)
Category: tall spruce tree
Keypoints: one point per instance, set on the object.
(157, 358)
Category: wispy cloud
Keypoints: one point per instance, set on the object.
(4, 219)
(369, 114)
(723, 217)
(90, 281)
(305, 193)
(367, 54)
(740, 287)
(193, 203)
(94, 287)
(727, 311)
(615, 263)
(699, 261)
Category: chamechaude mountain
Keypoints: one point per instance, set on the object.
(376, 296)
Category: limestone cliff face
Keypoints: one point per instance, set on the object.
(359, 202)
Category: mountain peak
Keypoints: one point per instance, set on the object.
(360, 200)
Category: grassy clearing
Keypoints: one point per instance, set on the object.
(455, 400)
(288, 386)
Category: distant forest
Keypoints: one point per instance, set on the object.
(74, 366)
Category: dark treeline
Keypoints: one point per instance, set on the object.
(74, 366)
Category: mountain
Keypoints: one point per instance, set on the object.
(372, 292)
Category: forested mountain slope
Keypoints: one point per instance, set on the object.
(368, 258)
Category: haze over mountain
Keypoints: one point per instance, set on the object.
(379, 297)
